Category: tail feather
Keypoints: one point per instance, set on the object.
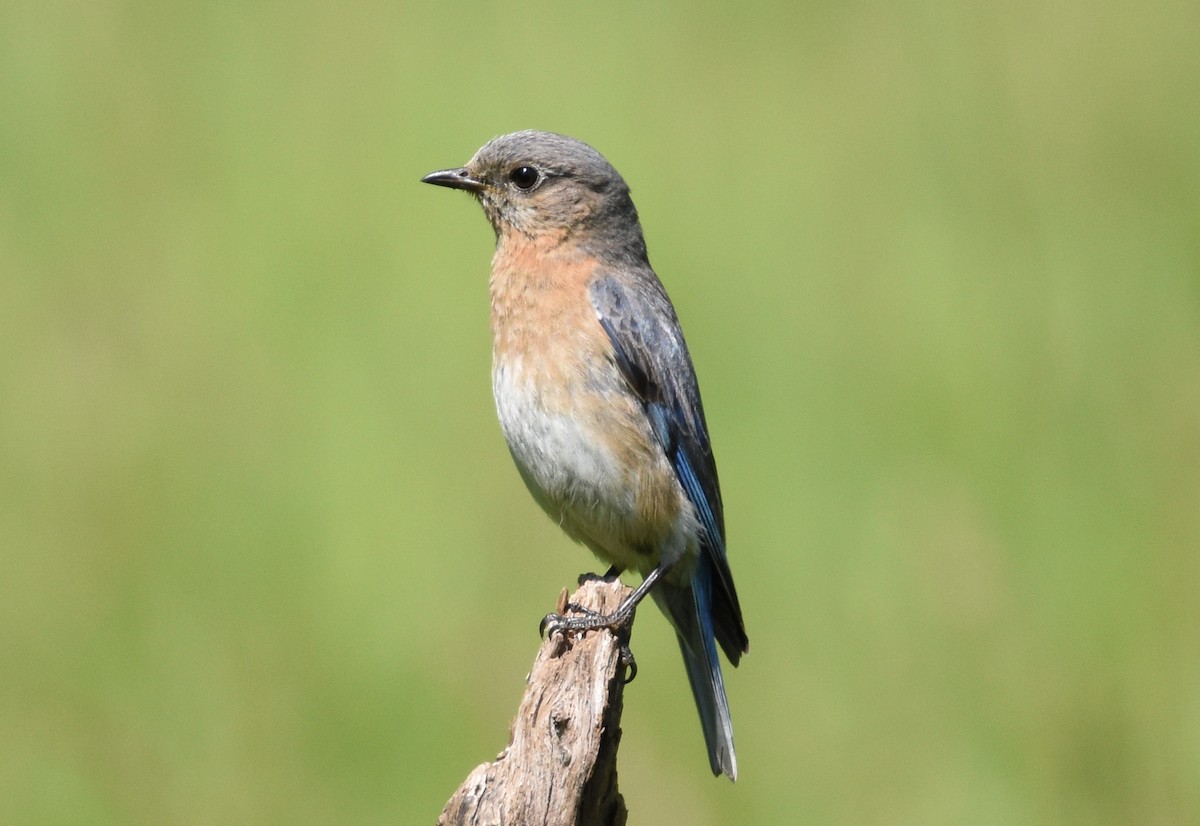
(689, 607)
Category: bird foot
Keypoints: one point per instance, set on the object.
(562, 626)
(628, 661)
(587, 620)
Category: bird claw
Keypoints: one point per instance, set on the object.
(561, 626)
(628, 661)
(551, 624)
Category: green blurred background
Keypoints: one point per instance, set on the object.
(264, 558)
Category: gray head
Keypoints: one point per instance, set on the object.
(542, 184)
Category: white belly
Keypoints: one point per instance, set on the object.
(574, 474)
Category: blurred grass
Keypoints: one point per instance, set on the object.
(939, 267)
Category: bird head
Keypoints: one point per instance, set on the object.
(540, 183)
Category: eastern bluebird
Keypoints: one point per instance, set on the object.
(598, 400)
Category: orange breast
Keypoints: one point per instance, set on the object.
(579, 436)
(541, 312)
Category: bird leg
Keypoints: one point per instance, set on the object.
(591, 620)
(618, 620)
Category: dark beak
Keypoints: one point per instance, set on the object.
(454, 178)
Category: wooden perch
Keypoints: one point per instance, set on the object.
(560, 767)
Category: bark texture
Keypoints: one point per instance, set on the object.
(560, 766)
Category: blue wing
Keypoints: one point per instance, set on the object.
(651, 353)
(649, 350)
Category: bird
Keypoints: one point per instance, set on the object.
(598, 400)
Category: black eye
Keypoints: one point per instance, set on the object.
(525, 177)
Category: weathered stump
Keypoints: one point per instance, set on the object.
(560, 766)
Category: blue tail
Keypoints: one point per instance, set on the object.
(689, 607)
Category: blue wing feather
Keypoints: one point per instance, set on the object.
(695, 493)
(650, 352)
